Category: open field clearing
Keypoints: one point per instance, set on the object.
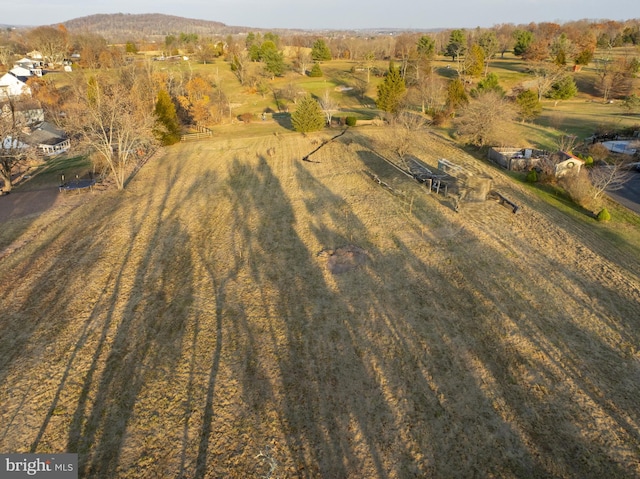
(190, 327)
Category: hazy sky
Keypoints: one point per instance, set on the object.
(335, 14)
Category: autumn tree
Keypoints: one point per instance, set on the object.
(111, 120)
(391, 91)
(52, 42)
(486, 120)
(474, 61)
(44, 90)
(308, 116)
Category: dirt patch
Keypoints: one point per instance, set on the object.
(345, 258)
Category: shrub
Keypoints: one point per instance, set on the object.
(351, 121)
(604, 215)
(588, 161)
(532, 176)
(246, 117)
(315, 71)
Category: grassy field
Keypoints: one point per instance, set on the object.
(189, 326)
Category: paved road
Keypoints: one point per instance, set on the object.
(629, 196)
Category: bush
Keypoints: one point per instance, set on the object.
(532, 176)
(351, 121)
(315, 71)
(604, 215)
(588, 161)
(246, 117)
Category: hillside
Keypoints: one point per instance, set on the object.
(120, 27)
(190, 326)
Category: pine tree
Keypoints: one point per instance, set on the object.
(315, 72)
(320, 51)
(564, 89)
(529, 106)
(168, 130)
(391, 90)
(308, 116)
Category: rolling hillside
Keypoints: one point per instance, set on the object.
(191, 326)
(120, 27)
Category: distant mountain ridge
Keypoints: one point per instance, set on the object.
(121, 27)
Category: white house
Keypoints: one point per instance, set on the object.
(11, 86)
(568, 164)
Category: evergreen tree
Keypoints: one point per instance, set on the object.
(529, 107)
(168, 129)
(426, 47)
(456, 95)
(488, 83)
(391, 90)
(457, 44)
(315, 72)
(308, 116)
(272, 58)
(524, 39)
(564, 89)
(320, 51)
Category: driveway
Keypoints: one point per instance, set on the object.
(629, 195)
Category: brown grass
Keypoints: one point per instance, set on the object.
(187, 327)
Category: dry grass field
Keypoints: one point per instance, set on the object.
(189, 326)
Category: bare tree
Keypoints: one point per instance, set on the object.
(546, 75)
(614, 77)
(328, 105)
(108, 120)
(486, 120)
(430, 90)
(407, 131)
(6, 54)
(52, 42)
(14, 151)
(302, 60)
(610, 177)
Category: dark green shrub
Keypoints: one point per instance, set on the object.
(532, 176)
(351, 121)
(315, 71)
(604, 215)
